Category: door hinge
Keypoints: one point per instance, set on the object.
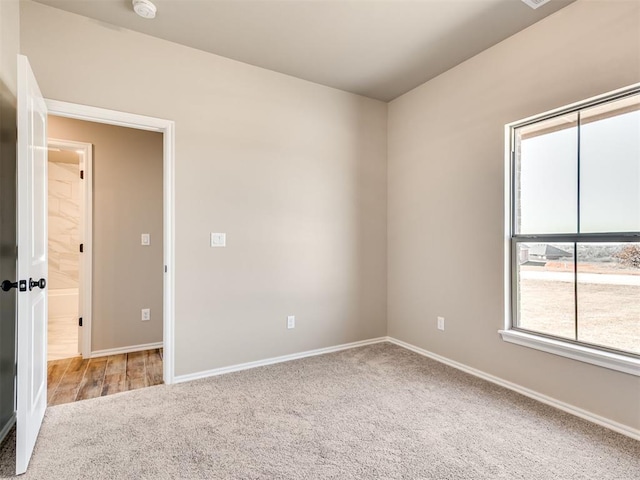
(81, 174)
(82, 248)
(80, 321)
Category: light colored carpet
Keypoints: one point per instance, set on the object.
(372, 412)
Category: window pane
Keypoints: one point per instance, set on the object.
(546, 174)
(610, 167)
(546, 292)
(609, 295)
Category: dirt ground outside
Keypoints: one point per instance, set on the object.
(608, 315)
(584, 267)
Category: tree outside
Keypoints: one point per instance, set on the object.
(629, 255)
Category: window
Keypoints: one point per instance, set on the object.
(573, 239)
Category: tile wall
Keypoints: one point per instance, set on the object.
(64, 225)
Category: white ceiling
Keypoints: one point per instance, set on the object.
(377, 48)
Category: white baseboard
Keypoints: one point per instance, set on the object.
(7, 427)
(565, 407)
(130, 349)
(270, 361)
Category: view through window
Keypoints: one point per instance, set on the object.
(575, 229)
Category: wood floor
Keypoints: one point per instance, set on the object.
(74, 379)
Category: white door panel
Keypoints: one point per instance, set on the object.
(31, 398)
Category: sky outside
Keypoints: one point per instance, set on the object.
(609, 178)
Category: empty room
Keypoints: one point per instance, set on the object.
(387, 239)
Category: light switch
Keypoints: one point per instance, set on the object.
(218, 239)
(145, 239)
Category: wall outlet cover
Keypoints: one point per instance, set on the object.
(146, 314)
(218, 239)
(291, 321)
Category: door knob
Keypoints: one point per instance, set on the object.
(7, 285)
(37, 283)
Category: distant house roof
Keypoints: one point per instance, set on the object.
(548, 251)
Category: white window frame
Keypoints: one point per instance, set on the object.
(575, 350)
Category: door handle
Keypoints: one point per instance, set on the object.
(37, 283)
(7, 285)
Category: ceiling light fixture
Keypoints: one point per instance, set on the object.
(144, 8)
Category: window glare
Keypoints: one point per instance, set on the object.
(547, 177)
(610, 174)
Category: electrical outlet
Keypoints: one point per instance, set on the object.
(440, 323)
(146, 314)
(291, 321)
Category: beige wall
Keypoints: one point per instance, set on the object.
(9, 42)
(127, 201)
(446, 171)
(293, 172)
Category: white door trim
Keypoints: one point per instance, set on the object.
(167, 128)
(85, 153)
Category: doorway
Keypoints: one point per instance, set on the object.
(69, 240)
(122, 321)
(167, 128)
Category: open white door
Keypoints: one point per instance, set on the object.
(31, 400)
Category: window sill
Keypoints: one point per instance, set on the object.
(613, 361)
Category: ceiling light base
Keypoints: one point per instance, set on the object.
(144, 8)
(535, 3)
